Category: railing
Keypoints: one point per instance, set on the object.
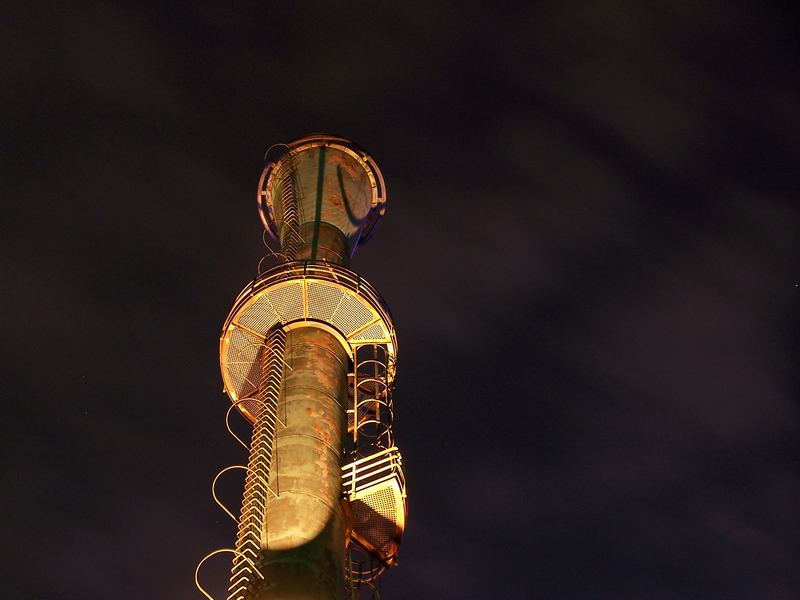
(371, 470)
(323, 271)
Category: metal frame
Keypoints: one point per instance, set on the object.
(303, 273)
(375, 467)
(327, 296)
(375, 464)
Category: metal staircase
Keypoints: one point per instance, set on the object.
(251, 536)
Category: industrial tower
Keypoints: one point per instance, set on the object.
(308, 355)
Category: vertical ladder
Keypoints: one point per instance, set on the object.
(252, 532)
(290, 244)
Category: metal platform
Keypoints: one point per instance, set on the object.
(300, 294)
(376, 490)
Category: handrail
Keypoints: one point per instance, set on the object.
(317, 270)
(228, 416)
(371, 456)
(209, 555)
(359, 475)
(214, 489)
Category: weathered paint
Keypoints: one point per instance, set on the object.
(330, 187)
(330, 244)
(303, 557)
(251, 531)
(303, 549)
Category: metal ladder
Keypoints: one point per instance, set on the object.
(291, 218)
(251, 535)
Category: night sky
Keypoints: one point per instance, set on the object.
(589, 251)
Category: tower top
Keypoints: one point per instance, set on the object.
(320, 181)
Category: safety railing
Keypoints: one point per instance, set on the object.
(317, 270)
(372, 470)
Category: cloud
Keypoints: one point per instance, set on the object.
(588, 251)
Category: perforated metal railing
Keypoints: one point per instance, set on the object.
(303, 291)
(324, 272)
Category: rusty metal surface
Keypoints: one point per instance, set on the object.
(320, 198)
(303, 554)
(330, 186)
(321, 179)
(252, 520)
(330, 244)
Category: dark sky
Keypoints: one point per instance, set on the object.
(589, 251)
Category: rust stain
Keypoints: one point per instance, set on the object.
(322, 432)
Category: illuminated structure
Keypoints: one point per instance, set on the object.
(308, 356)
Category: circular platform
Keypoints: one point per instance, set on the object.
(294, 294)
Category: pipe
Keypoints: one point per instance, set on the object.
(303, 553)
